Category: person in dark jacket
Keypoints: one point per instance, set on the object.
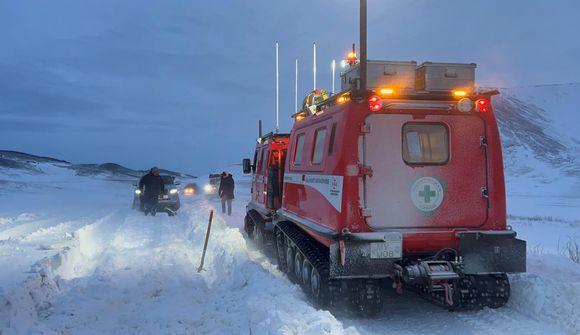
(226, 191)
(151, 186)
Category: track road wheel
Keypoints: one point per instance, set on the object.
(298, 260)
(318, 288)
(290, 259)
(280, 247)
(306, 273)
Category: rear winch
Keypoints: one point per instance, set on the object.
(428, 272)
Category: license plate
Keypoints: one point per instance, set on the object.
(164, 197)
(391, 248)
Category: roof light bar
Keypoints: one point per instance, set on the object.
(459, 93)
(342, 99)
(386, 91)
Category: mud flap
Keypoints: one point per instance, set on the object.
(492, 252)
(356, 262)
(257, 219)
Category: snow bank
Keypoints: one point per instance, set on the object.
(129, 274)
(554, 299)
(22, 306)
(250, 292)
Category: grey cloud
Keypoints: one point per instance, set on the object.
(29, 126)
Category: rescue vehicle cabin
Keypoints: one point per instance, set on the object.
(418, 151)
(267, 169)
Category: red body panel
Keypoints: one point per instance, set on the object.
(463, 174)
(471, 167)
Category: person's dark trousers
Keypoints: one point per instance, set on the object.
(229, 204)
(151, 205)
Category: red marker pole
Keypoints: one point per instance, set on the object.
(206, 240)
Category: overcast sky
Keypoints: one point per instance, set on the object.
(182, 84)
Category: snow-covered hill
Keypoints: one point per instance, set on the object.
(19, 160)
(541, 145)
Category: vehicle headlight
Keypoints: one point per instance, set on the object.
(208, 188)
(138, 191)
(173, 191)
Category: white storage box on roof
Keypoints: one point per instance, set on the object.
(433, 77)
(393, 74)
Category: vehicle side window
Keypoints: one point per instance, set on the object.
(298, 149)
(255, 161)
(425, 143)
(264, 160)
(259, 160)
(319, 140)
(331, 140)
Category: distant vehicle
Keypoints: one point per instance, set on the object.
(191, 189)
(168, 201)
(211, 188)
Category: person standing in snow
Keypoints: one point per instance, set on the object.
(151, 186)
(226, 191)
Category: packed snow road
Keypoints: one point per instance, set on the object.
(100, 267)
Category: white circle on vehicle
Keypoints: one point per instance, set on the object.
(465, 105)
(427, 194)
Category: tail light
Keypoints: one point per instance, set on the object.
(375, 103)
(482, 105)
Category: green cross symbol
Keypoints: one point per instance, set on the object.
(427, 193)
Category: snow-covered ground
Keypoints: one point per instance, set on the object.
(75, 259)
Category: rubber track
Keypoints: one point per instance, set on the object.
(268, 236)
(317, 256)
(484, 291)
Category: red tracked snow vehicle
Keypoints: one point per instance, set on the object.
(403, 180)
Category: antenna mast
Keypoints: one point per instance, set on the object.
(296, 87)
(363, 45)
(314, 64)
(333, 65)
(277, 94)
